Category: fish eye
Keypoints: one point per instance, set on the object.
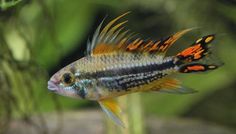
(68, 78)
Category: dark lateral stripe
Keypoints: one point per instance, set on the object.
(131, 70)
(118, 83)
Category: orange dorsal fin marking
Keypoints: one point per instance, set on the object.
(146, 46)
(154, 47)
(160, 46)
(164, 45)
(104, 48)
(134, 45)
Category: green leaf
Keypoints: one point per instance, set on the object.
(4, 5)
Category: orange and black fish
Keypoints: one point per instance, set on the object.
(118, 64)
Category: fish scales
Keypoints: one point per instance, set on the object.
(125, 82)
(112, 62)
(121, 72)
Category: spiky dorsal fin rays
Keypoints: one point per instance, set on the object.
(164, 45)
(92, 45)
(113, 111)
(109, 36)
(113, 38)
(109, 26)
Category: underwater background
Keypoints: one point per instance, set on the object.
(39, 37)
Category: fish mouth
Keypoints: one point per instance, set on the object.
(52, 86)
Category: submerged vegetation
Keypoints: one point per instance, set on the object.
(38, 37)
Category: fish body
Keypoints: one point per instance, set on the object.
(118, 64)
(115, 74)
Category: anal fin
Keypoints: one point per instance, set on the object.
(171, 85)
(112, 109)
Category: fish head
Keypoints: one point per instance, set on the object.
(64, 82)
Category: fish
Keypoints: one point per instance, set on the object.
(117, 63)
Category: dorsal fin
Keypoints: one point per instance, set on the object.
(164, 45)
(113, 38)
(160, 46)
(107, 39)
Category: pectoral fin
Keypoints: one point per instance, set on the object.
(112, 109)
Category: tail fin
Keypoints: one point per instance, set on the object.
(196, 67)
(189, 59)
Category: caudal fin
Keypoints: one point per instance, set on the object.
(189, 60)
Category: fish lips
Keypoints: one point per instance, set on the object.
(52, 86)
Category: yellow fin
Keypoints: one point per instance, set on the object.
(109, 25)
(112, 109)
(169, 85)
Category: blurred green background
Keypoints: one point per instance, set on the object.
(38, 37)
